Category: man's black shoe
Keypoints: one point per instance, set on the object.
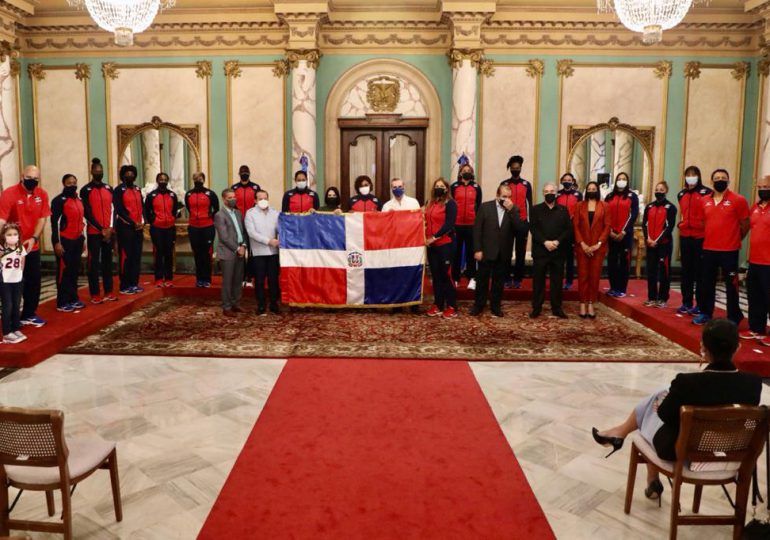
(560, 314)
(534, 314)
(497, 313)
(475, 310)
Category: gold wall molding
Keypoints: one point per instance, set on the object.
(191, 134)
(203, 71)
(110, 70)
(763, 67)
(664, 69)
(535, 68)
(36, 72)
(741, 70)
(82, 72)
(281, 68)
(565, 68)
(692, 70)
(232, 69)
(475, 56)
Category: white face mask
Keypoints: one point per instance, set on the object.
(364, 190)
(691, 180)
(263, 204)
(11, 240)
(302, 184)
(621, 184)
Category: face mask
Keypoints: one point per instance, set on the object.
(11, 240)
(30, 183)
(301, 185)
(467, 176)
(660, 197)
(69, 191)
(244, 176)
(97, 177)
(502, 202)
(398, 191)
(691, 180)
(438, 192)
(592, 195)
(550, 198)
(764, 194)
(129, 180)
(199, 184)
(515, 174)
(263, 204)
(364, 190)
(720, 185)
(621, 184)
(331, 201)
(163, 186)
(567, 186)
(231, 203)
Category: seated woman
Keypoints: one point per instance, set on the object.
(657, 416)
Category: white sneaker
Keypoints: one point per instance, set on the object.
(19, 335)
(11, 338)
(472, 284)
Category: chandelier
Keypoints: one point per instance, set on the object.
(650, 17)
(123, 17)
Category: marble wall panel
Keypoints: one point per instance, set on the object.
(9, 137)
(257, 128)
(509, 117)
(763, 146)
(714, 122)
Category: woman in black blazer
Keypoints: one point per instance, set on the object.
(657, 417)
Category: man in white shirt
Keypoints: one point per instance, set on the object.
(262, 228)
(400, 200)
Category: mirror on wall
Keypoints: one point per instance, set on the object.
(158, 146)
(605, 150)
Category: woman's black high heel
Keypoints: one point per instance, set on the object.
(654, 491)
(615, 442)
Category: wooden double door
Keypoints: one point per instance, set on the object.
(383, 149)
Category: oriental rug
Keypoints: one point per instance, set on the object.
(185, 326)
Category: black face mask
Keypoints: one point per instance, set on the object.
(515, 174)
(70, 191)
(163, 186)
(592, 195)
(720, 185)
(129, 180)
(30, 183)
(97, 177)
(245, 176)
(332, 201)
(502, 202)
(567, 186)
(467, 176)
(550, 198)
(660, 197)
(439, 192)
(764, 195)
(198, 185)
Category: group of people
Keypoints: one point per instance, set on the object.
(485, 241)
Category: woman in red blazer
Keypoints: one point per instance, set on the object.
(592, 227)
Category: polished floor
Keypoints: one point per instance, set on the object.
(180, 423)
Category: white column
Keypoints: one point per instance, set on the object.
(303, 118)
(9, 148)
(624, 152)
(176, 155)
(598, 154)
(464, 81)
(151, 158)
(578, 165)
(764, 136)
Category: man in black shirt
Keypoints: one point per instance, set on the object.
(551, 231)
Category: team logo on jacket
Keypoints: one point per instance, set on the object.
(355, 259)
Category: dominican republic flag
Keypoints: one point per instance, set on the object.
(360, 259)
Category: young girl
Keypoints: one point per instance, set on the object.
(11, 270)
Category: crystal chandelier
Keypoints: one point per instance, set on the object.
(650, 17)
(123, 17)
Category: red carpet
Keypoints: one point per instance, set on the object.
(376, 449)
(751, 356)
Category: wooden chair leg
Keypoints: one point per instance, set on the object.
(66, 515)
(696, 498)
(49, 503)
(115, 481)
(741, 500)
(4, 516)
(632, 465)
(675, 493)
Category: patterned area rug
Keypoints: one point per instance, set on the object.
(190, 327)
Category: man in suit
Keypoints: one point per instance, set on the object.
(231, 251)
(493, 232)
(551, 229)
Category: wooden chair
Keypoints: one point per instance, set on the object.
(716, 446)
(34, 456)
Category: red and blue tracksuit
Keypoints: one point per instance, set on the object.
(468, 199)
(623, 209)
(569, 199)
(128, 220)
(440, 222)
(521, 197)
(658, 225)
(98, 209)
(161, 209)
(364, 203)
(692, 229)
(298, 201)
(67, 225)
(201, 204)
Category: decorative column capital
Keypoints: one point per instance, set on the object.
(203, 69)
(692, 70)
(741, 70)
(110, 70)
(8, 50)
(15, 68)
(36, 72)
(565, 68)
(232, 69)
(535, 68)
(82, 72)
(303, 21)
(763, 67)
(664, 69)
(311, 56)
(475, 56)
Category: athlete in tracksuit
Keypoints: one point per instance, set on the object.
(623, 208)
(300, 198)
(161, 208)
(67, 225)
(129, 226)
(692, 229)
(467, 194)
(568, 196)
(658, 225)
(97, 205)
(246, 199)
(521, 197)
(201, 204)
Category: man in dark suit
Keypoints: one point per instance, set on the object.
(493, 231)
(551, 229)
(231, 252)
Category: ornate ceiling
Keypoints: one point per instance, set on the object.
(51, 28)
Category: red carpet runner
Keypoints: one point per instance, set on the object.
(376, 449)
